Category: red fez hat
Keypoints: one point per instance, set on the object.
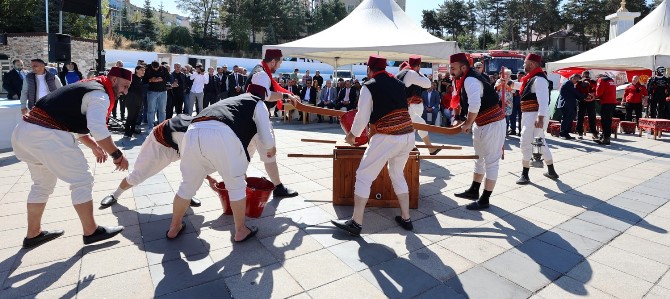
(121, 73)
(273, 53)
(534, 57)
(257, 90)
(414, 60)
(459, 57)
(377, 61)
(403, 65)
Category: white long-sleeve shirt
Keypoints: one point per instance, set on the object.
(94, 105)
(262, 79)
(199, 81)
(364, 111)
(474, 89)
(413, 78)
(541, 85)
(263, 125)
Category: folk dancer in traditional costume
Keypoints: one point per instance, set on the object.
(383, 104)
(158, 150)
(486, 121)
(217, 140)
(534, 90)
(262, 75)
(415, 83)
(46, 140)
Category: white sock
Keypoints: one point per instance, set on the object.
(118, 192)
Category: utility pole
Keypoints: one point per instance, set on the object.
(46, 2)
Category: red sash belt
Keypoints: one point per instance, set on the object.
(398, 122)
(40, 117)
(159, 133)
(414, 100)
(530, 106)
(492, 114)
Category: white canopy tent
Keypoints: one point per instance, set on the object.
(644, 46)
(374, 27)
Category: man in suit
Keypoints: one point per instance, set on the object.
(347, 97)
(568, 104)
(307, 95)
(221, 79)
(293, 88)
(13, 80)
(327, 99)
(431, 103)
(235, 82)
(211, 89)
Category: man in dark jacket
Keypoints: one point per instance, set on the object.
(13, 80)
(211, 89)
(568, 105)
(178, 85)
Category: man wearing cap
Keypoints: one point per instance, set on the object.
(534, 91)
(37, 84)
(157, 152)
(486, 121)
(415, 83)
(383, 105)
(217, 140)
(46, 141)
(262, 75)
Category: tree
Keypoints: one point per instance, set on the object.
(256, 11)
(551, 20)
(147, 25)
(430, 22)
(179, 36)
(453, 15)
(328, 14)
(204, 15)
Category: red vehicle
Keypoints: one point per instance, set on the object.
(494, 60)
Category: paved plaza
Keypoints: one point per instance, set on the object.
(602, 230)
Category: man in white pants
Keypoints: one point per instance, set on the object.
(200, 79)
(217, 140)
(262, 75)
(46, 140)
(159, 150)
(415, 83)
(382, 104)
(486, 120)
(534, 91)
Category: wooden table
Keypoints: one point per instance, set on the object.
(657, 126)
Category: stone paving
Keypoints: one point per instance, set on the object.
(601, 231)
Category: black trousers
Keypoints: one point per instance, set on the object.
(133, 115)
(121, 102)
(209, 99)
(606, 112)
(169, 108)
(633, 107)
(568, 115)
(589, 109)
(178, 102)
(662, 109)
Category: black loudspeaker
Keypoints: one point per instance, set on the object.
(3, 39)
(60, 48)
(82, 7)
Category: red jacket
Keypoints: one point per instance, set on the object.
(606, 91)
(634, 93)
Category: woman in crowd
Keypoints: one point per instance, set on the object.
(70, 74)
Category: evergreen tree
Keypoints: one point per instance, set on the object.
(147, 25)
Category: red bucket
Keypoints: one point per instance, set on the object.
(346, 121)
(258, 193)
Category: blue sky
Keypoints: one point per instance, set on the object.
(413, 9)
